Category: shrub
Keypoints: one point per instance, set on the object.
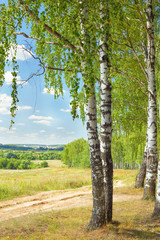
(44, 164)
(76, 154)
(20, 164)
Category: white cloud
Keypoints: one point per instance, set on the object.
(4, 111)
(42, 131)
(5, 104)
(31, 135)
(21, 53)
(1, 121)
(50, 91)
(40, 117)
(24, 107)
(44, 122)
(60, 128)
(8, 78)
(52, 136)
(6, 130)
(3, 129)
(20, 124)
(70, 133)
(5, 100)
(65, 110)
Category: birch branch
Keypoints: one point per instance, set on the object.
(45, 66)
(46, 27)
(129, 76)
(38, 39)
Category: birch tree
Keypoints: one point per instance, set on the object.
(151, 169)
(141, 14)
(66, 36)
(105, 107)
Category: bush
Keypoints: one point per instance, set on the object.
(44, 164)
(76, 154)
(25, 164)
(10, 155)
(20, 164)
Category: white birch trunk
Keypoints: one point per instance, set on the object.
(151, 168)
(98, 212)
(156, 211)
(139, 183)
(106, 121)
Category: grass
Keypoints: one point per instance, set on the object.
(14, 183)
(132, 219)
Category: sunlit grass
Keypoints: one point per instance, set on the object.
(14, 183)
(132, 220)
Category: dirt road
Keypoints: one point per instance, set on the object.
(52, 200)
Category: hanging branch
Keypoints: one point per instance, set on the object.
(45, 66)
(46, 27)
(129, 76)
(38, 39)
(133, 105)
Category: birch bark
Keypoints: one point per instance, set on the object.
(139, 183)
(98, 212)
(106, 121)
(151, 167)
(156, 211)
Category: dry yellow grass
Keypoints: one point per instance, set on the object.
(14, 183)
(132, 219)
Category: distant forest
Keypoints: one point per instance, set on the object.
(27, 147)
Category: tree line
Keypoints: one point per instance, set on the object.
(20, 164)
(31, 155)
(126, 155)
(106, 51)
(30, 148)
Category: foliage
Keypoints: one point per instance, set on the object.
(76, 154)
(31, 155)
(12, 163)
(44, 164)
(19, 147)
(127, 150)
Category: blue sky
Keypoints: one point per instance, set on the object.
(40, 118)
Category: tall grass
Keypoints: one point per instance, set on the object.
(14, 183)
(132, 220)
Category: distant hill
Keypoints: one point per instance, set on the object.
(32, 147)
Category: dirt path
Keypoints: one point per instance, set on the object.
(53, 200)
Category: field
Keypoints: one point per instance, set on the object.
(131, 216)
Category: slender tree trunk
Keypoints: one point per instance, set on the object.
(139, 183)
(156, 211)
(151, 167)
(98, 212)
(106, 121)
